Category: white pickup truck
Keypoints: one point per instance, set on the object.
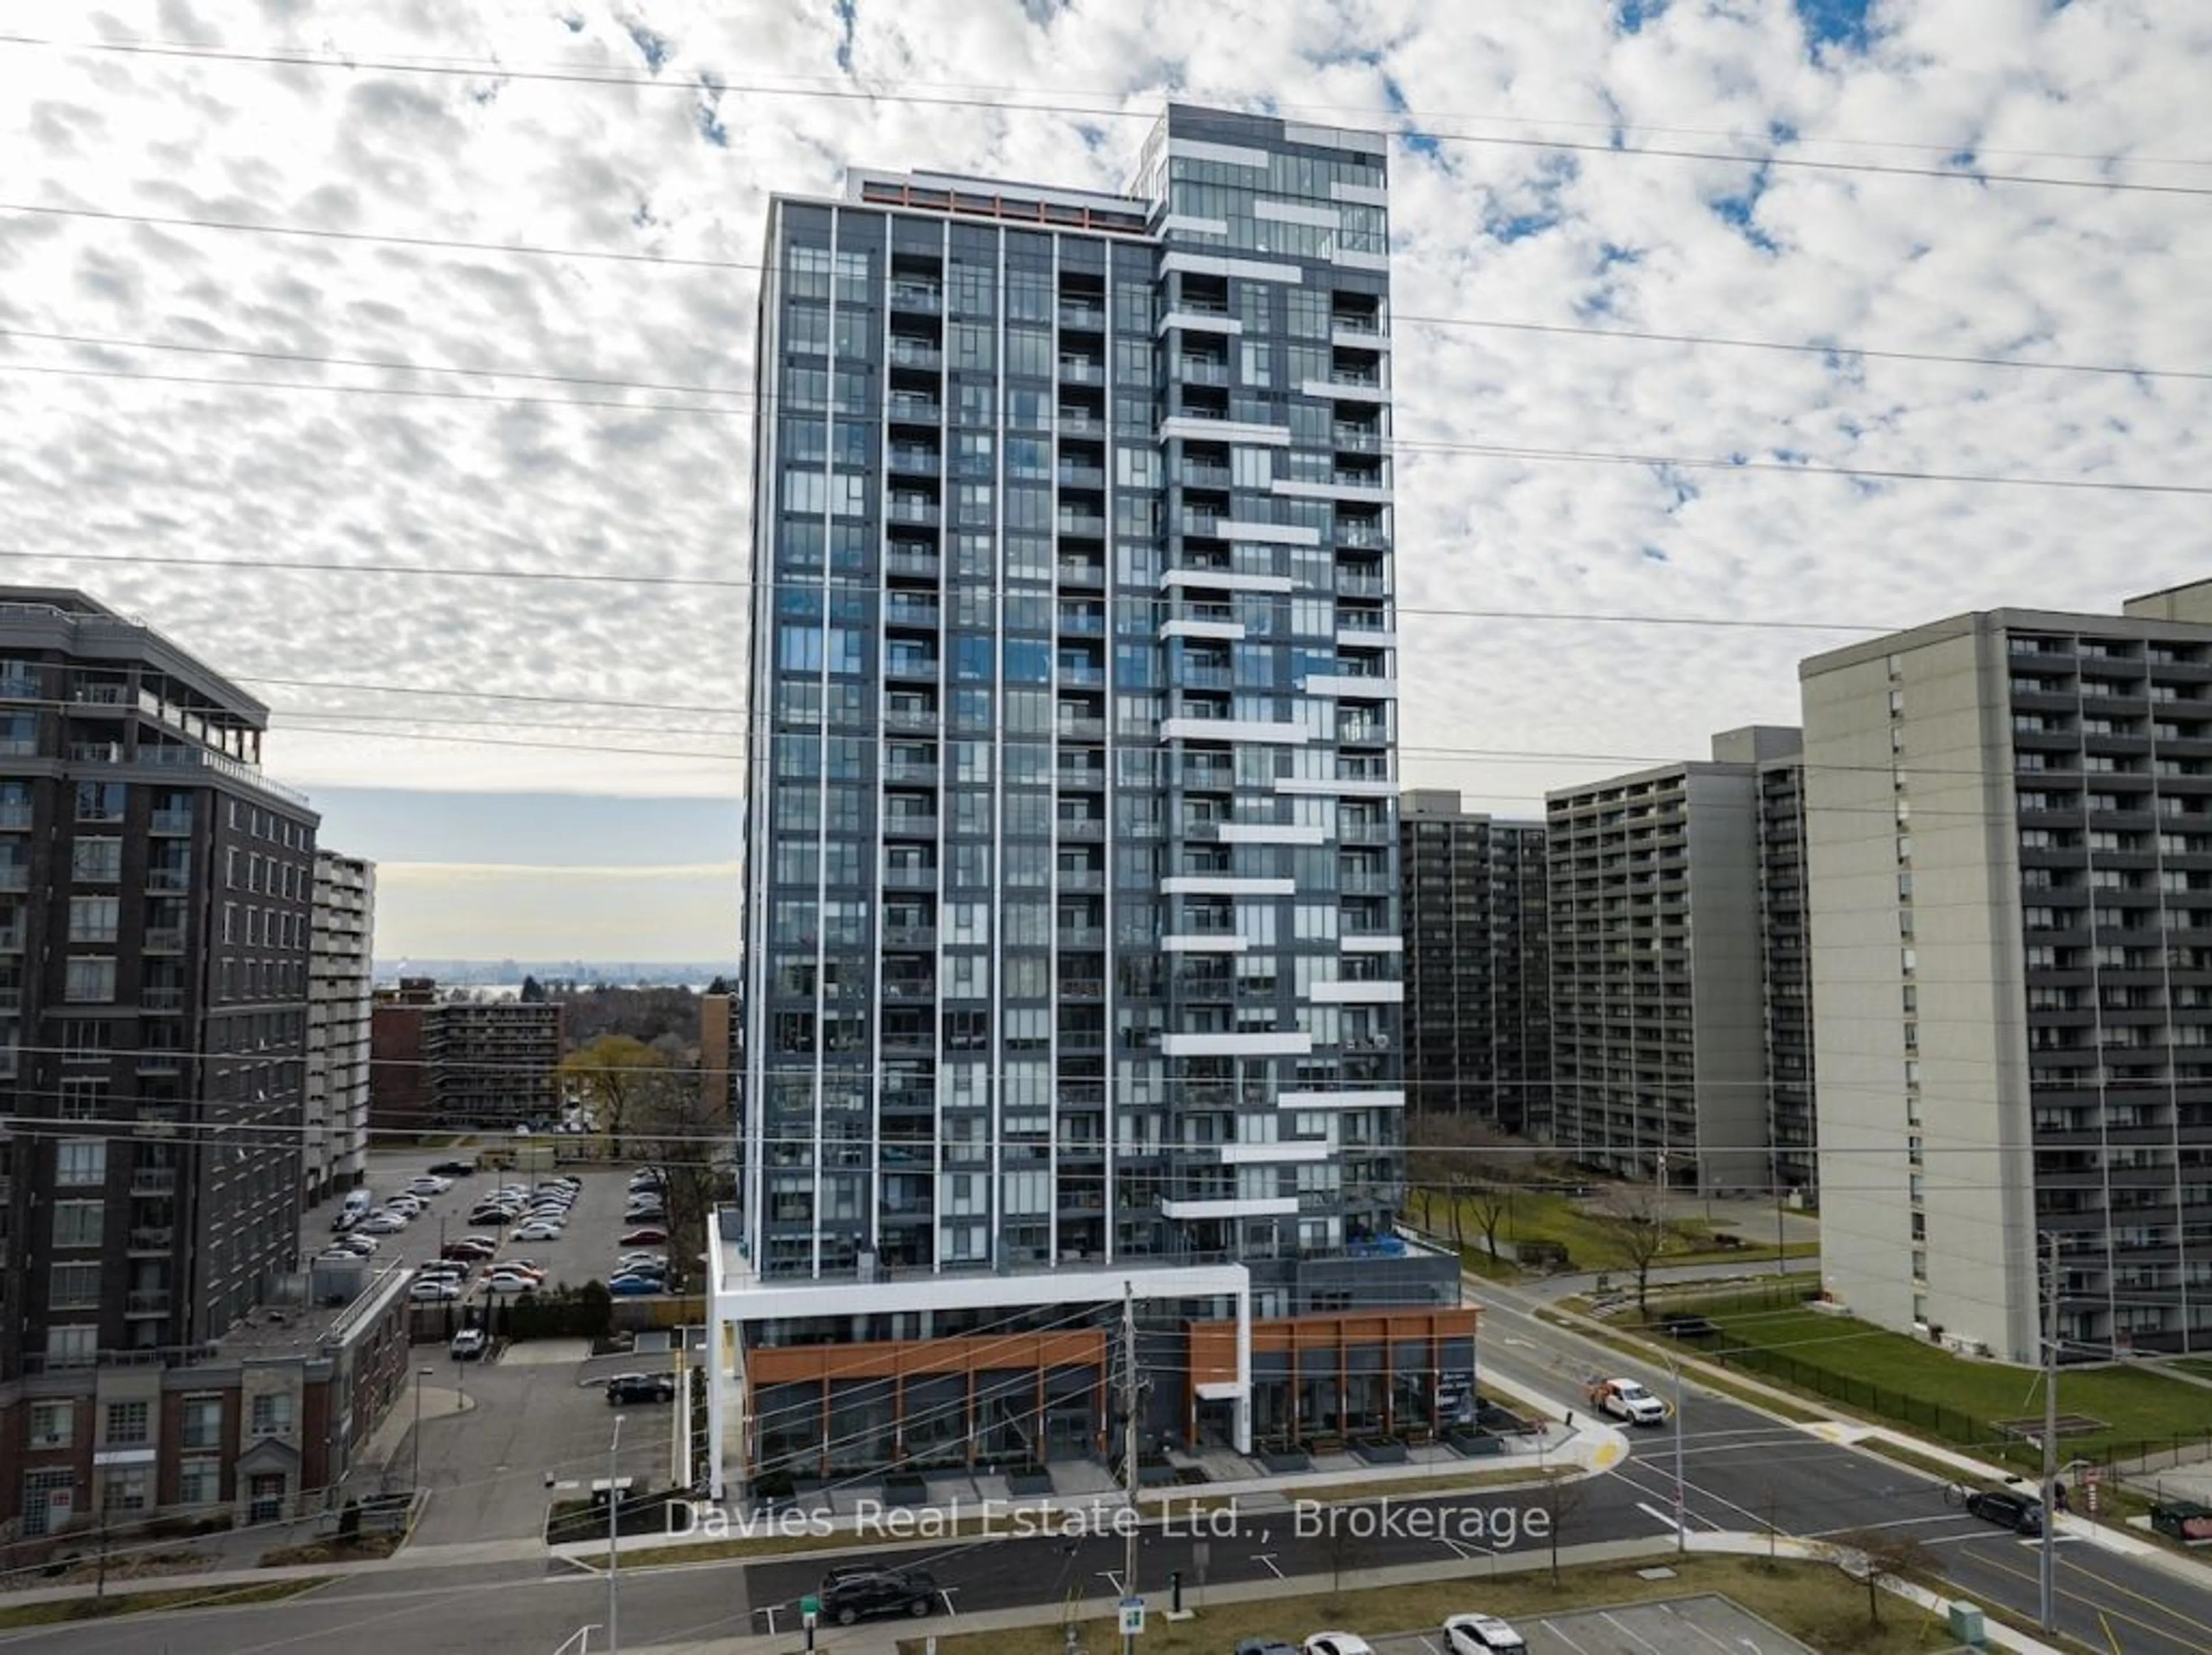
(1625, 1399)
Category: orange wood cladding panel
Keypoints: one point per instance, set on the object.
(903, 1358)
(1214, 1344)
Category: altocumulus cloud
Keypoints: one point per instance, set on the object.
(346, 471)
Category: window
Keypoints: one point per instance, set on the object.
(78, 1223)
(203, 1423)
(272, 1415)
(53, 1425)
(96, 862)
(126, 1488)
(91, 981)
(100, 801)
(72, 1346)
(92, 919)
(81, 1161)
(199, 1482)
(127, 1423)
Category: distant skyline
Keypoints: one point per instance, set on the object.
(397, 360)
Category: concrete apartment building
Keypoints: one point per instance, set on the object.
(334, 1145)
(461, 1062)
(1072, 925)
(2009, 838)
(1788, 985)
(155, 919)
(1478, 972)
(1659, 1016)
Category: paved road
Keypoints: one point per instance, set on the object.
(1741, 1471)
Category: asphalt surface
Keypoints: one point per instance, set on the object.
(1741, 1472)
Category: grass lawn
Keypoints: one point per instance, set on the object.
(59, 1610)
(1816, 1601)
(1590, 1240)
(1883, 1370)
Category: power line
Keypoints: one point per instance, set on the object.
(1405, 125)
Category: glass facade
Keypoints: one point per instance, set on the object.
(1072, 924)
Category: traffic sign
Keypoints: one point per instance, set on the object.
(1132, 1616)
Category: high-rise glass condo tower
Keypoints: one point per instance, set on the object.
(1072, 927)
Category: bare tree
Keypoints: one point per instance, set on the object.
(1564, 1495)
(1881, 1554)
(1473, 1166)
(1635, 1217)
(683, 1127)
(1346, 1550)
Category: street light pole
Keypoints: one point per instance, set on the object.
(2047, 1581)
(1681, 1516)
(614, 1555)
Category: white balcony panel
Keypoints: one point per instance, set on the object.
(1273, 534)
(1227, 580)
(1297, 212)
(1262, 1154)
(1352, 688)
(1229, 155)
(1358, 994)
(1359, 493)
(1331, 389)
(1203, 943)
(1374, 945)
(1393, 1098)
(1351, 140)
(1367, 195)
(1362, 260)
(1351, 338)
(1233, 1207)
(1225, 430)
(1251, 1042)
(1337, 788)
(1189, 224)
(1353, 638)
(1249, 269)
(1231, 631)
(1271, 833)
(1225, 885)
(1234, 729)
(1200, 321)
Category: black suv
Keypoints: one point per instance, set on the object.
(641, 1388)
(2021, 1513)
(850, 1595)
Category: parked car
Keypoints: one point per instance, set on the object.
(433, 1290)
(1337, 1643)
(1625, 1399)
(646, 1235)
(635, 1287)
(342, 1222)
(642, 1388)
(657, 1260)
(405, 1201)
(848, 1596)
(454, 1170)
(1264, 1647)
(469, 1344)
(469, 1249)
(381, 1224)
(429, 1184)
(1480, 1635)
(2021, 1513)
(498, 1281)
(359, 1245)
(538, 1229)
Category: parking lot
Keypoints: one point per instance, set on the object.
(1680, 1625)
(585, 1251)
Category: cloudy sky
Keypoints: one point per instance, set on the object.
(425, 329)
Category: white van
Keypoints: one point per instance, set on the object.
(358, 1201)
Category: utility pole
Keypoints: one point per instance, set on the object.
(1681, 1515)
(1129, 1408)
(2048, 1582)
(614, 1555)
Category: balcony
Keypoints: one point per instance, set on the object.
(1349, 584)
(1081, 477)
(1081, 729)
(916, 352)
(1365, 536)
(168, 879)
(913, 937)
(912, 509)
(153, 1180)
(14, 816)
(1198, 476)
(917, 298)
(147, 1302)
(1081, 370)
(153, 1240)
(910, 876)
(1091, 524)
(1207, 524)
(1357, 439)
(923, 564)
(906, 610)
(172, 821)
(161, 998)
(907, 825)
(916, 410)
(1082, 827)
(1080, 423)
(919, 988)
(1075, 572)
(901, 663)
(1090, 319)
(905, 457)
(1202, 370)
(165, 940)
